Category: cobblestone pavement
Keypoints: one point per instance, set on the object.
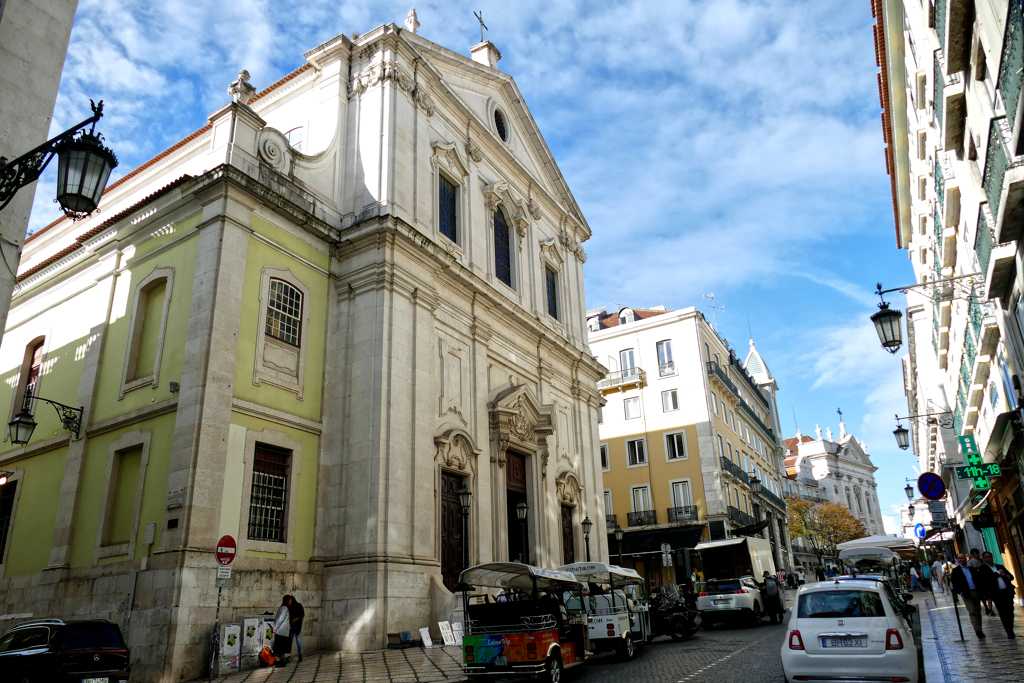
(997, 658)
(724, 655)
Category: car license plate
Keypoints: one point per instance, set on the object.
(95, 680)
(501, 661)
(721, 602)
(844, 642)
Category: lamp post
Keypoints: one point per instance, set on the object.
(83, 168)
(23, 424)
(587, 526)
(909, 490)
(521, 511)
(888, 321)
(943, 419)
(902, 435)
(618, 537)
(910, 512)
(465, 499)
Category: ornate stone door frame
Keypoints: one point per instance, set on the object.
(520, 422)
(456, 452)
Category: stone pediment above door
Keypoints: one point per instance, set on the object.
(519, 421)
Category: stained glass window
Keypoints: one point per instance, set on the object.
(446, 207)
(502, 249)
(552, 294)
(284, 311)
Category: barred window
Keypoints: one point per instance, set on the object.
(267, 504)
(284, 312)
(446, 207)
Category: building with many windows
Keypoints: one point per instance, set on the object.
(311, 325)
(951, 81)
(688, 439)
(837, 470)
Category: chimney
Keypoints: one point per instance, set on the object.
(485, 53)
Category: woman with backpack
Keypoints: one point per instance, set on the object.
(282, 632)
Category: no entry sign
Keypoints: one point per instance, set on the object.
(225, 550)
(931, 486)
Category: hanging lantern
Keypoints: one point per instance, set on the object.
(888, 324)
(902, 435)
(910, 491)
(83, 168)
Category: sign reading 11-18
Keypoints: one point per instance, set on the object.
(977, 470)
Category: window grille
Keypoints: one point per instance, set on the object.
(267, 518)
(6, 511)
(502, 249)
(284, 312)
(552, 293)
(446, 207)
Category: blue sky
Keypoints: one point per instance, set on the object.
(728, 147)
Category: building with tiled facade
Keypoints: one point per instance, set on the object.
(685, 431)
(308, 326)
(950, 82)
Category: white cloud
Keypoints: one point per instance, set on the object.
(891, 524)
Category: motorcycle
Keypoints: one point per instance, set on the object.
(671, 616)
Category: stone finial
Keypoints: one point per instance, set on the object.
(842, 429)
(241, 90)
(412, 23)
(817, 430)
(485, 53)
(798, 434)
(828, 432)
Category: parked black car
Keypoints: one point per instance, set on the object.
(57, 651)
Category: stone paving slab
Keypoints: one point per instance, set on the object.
(411, 665)
(994, 659)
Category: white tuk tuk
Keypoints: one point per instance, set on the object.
(619, 613)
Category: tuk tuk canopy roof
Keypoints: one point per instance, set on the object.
(871, 553)
(517, 575)
(599, 572)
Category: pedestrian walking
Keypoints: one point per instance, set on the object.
(296, 614)
(939, 575)
(915, 579)
(926, 577)
(965, 583)
(975, 560)
(282, 632)
(831, 572)
(773, 597)
(800, 578)
(999, 587)
(819, 573)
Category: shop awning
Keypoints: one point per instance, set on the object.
(650, 540)
(940, 537)
(966, 509)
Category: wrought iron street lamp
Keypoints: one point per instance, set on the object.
(83, 168)
(902, 435)
(587, 526)
(521, 510)
(23, 424)
(755, 486)
(888, 321)
(909, 490)
(465, 500)
(618, 537)
(910, 512)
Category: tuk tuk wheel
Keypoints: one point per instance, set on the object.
(627, 649)
(680, 630)
(553, 668)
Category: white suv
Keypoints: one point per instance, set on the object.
(849, 630)
(725, 599)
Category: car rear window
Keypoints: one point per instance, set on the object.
(840, 603)
(724, 586)
(92, 637)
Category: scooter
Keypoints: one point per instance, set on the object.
(671, 616)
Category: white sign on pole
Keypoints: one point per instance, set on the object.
(666, 560)
(223, 576)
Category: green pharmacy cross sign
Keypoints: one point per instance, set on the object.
(977, 470)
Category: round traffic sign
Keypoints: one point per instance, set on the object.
(225, 550)
(931, 486)
(919, 530)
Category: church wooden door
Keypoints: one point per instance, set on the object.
(568, 547)
(451, 530)
(515, 493)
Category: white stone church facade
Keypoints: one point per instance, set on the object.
(426, 207)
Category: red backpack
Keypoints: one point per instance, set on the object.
(267, 657)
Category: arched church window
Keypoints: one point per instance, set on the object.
(502, 248)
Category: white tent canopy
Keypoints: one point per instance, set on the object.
(877, 541)
(599, 572)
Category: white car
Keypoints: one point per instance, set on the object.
(727, 599)
(848, 631)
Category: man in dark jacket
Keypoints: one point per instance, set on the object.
(296, 614)
(968, 584)
(773, 597)
(998, 586)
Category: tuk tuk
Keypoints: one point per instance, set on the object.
(619, 613)
(526, 630)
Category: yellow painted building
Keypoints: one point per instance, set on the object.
(689, 442)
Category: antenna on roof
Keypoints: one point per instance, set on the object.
(480, 17)
(749, 330)
(714, 311)
(618, 305)
(795, 425)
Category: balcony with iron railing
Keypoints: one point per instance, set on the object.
(950, 103)
(611, 521)
(1003, 181)
(752, 416)
(686, 514)
(734, 470)
(739, 517)
(718, 374)
(1010, 81)
(812, 497)
(642, 518)
(621, 379)
(771, 498)
(666, 369)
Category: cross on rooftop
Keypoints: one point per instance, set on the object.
(480, 17)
